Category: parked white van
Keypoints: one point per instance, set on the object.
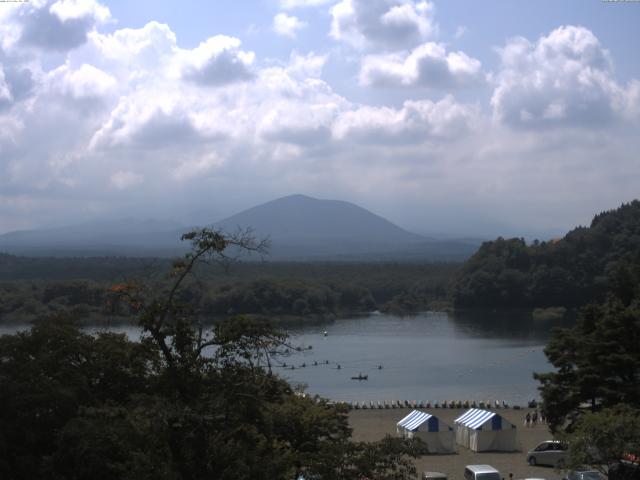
(481, 472)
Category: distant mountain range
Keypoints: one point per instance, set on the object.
(126, 236)
(299, 228)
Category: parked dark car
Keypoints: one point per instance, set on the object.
(625, 470)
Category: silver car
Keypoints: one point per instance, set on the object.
(434, 476)
(583, 475)
(481, 472)
(551, 453)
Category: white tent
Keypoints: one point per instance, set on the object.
(438, 436)
(482, 430)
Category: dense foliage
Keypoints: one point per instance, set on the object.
(592, 399)
(14, 267)
(602, 439)
(77, 406)
(597, 361)
(184, 403)
(42, 288)
(289, 297)
(569, 272)
(27, 302)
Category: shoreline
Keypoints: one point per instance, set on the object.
(496, 405)
(371, 425)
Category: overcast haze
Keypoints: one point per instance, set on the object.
(446, 117)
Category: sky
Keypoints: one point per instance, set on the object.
(474, 118)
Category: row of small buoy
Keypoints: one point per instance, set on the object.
(378, 366)
(315, 363)
(386, 404)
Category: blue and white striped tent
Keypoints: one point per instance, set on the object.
(438, 436)
(483, 430)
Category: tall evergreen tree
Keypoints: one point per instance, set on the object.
(598, 361)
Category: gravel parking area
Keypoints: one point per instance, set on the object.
(371, 425)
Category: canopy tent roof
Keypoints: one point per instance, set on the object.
(475, 418)
(414, 420)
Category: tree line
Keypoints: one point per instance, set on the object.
(570, 272)
(292, 291)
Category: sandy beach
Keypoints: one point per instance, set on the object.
(371, 425)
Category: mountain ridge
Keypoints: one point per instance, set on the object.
(299, 228)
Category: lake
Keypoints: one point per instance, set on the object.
(432, 356)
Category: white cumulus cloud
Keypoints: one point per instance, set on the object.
(287, 25)
(67, 10)
(86, 81)
(217, 61)
(417, 121)
(151, 119)
(56, 26)
(428, 65)
(385, 24)
(564, 78)
(135, 51)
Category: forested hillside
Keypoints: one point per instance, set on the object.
(569, 272)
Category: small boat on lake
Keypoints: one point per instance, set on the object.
(360, 377)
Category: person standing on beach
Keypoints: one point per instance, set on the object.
(534, 418)
(527, 419)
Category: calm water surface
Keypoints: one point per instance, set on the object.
(431, 356)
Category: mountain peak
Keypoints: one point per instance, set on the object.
(301, 217)
(296, 197)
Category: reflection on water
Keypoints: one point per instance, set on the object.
(429, 357)
(512, 324)
(432, 356)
